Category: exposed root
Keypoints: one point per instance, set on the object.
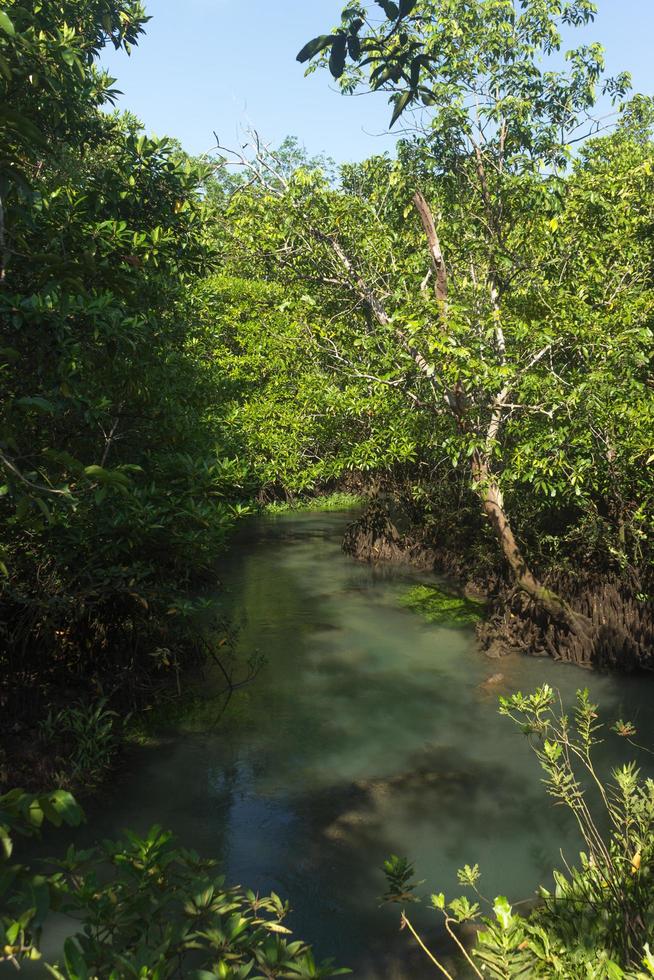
(605, 624)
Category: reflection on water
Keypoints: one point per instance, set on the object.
(367, 733)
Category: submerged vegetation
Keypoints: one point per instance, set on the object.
(464, 330)
(442, 608)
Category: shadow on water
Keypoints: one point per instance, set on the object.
(368, 732)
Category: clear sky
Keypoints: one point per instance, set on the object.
(225, 65)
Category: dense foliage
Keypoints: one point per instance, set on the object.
(467, 324)
(473, 303)
(542, 280)
(179, 336)
(118, 486)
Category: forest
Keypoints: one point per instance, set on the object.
(451, 344)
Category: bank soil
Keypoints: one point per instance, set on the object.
(619, 619)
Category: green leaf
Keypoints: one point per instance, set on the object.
(6, 843)
(5, 68)
(36, 401)
(391, 9)
(66, 807)
(648, 960)
(6, 24)
(314, 47)
(35, 813)
(74, 960)
(503, 911)
(102, 475)
(401, 102)
(16, 120)
(43, 507)
(337, 57)
(354, 47)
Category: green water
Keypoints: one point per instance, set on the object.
(366, 733)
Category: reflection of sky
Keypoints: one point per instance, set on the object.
(365, 734)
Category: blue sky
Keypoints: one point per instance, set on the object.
(225, 65)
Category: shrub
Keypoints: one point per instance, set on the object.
(144, 907)
(88, 732)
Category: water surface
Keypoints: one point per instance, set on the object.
(366, 733)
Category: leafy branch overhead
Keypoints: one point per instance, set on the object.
(347, 40)
(454, 58)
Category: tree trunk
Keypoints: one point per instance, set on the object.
(493, 503)
(486, 485)
(435, 251)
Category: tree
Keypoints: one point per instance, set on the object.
(50, 87)
(114, 483)
(500, 121)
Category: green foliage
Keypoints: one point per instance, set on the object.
(332, 501)
(57, 100)
(26, 897)
(88, 736)
(437, 606)
(597, 922)
(165, 913)
(431, 53)
(399, 874)
(116, 487)
(541, 259)
(143, 907)
(344, 360)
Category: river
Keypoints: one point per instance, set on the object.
(366, 733)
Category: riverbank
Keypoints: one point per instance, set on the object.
(620, 616)
(322, 503)
(370, 730)
(81, 744)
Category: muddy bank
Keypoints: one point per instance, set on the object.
(621, 619)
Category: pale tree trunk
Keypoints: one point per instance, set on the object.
(435, 251)
(493, 504)
(484, 481)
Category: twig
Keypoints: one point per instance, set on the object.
(405, 922)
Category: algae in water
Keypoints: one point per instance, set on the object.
(442, 608)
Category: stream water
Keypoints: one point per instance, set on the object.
(366, 733)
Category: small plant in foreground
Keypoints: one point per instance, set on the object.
(25, 897)
(142, 908)
(89, 733)
(598, 922)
